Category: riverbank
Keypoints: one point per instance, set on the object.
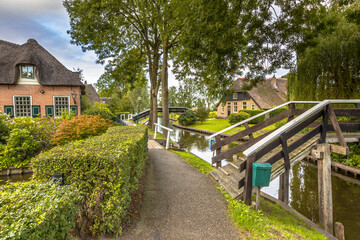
(272, 222)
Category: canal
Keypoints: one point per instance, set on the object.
(303, 186)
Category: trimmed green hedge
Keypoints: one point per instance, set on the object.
(238, 117)
(33, 210)
(254, 112)
(277, 111)
(105, 169)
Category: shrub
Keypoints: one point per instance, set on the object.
(4, 128)
(202, 114)
(238, 117)
(280, 123)
(277, 111)
(254, 112)
(174, 116)
(32, 210)
(105, 169)
(99, 108)
(80, 127)
(212, 114)
(187, 118)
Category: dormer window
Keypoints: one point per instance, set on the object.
(235, 95)
(27, 71)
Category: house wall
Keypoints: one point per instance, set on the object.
(8, 91)
(224, 114)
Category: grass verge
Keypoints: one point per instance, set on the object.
(271, 222)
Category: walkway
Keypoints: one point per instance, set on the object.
(180, 203)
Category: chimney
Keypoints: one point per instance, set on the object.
(273, 81)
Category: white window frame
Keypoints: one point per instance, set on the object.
(235, 95)
(22, 96)
(235, 106)
(27, 65)
(55, 105)
(222, 108)
(244, 103)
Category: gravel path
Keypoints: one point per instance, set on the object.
(180, 203)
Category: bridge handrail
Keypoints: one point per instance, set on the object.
(259, 115)
(260, 144)
(168, 133)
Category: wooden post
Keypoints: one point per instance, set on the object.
(357, 105)
(248, 179)
(218, 151)
(291, 108)
(339, 231)
(285, 177)
(324, 125)
(155, 131)
(257, 188)
(324, 187)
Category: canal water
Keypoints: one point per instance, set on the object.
(303, 186)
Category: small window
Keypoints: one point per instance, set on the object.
(244, 105)
(27, 71)
(61, 103)
(252, 106)
(235, 95)
(222, 108)
(22, 106)
(235, 107)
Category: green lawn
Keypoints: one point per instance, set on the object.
(271, 222)
(217, 125)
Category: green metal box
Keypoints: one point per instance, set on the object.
(261, 174)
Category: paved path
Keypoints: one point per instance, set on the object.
(180, 203)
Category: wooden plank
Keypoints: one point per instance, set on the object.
(246, 125)
(347, 112)
(346, 126)
(336, 126)
(324, 124)
(357, 105)
(304, 124)
(324, 189)
(285, 177)
(339, 150)
(238, 148)
(248, 179)
(252, 129)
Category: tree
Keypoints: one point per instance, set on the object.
(330, 67)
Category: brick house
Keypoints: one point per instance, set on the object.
(272, 92)
(34, 83)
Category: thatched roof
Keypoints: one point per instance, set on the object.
(92, 93)
(49, 71)
(272, 92)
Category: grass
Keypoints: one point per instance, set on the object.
(194, 161)
(217, 125)
(271, 222)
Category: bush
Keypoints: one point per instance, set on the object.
(27, 138)
(4, 128)
(277, 111)
(99, 108)
(212, 114)
(238, 117)
(80, 127)
(280, 123)
(187, 118)
(254, 112)
(174, 116)
(32, 210)
(105, 169)
(202, 114)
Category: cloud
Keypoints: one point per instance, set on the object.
(30, 9)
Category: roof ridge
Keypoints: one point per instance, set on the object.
(9, 43)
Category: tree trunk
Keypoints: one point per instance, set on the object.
(164, 88)
(154, 88)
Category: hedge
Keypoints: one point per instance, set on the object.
(105, 169)
(254, 112)
(277, 111)
(238, 117)
(33, 210)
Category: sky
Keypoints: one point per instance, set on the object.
(46, 21)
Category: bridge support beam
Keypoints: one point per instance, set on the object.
(324, 187)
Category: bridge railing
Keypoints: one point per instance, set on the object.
(258, 147)
(169, 130)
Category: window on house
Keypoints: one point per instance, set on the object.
(252, 106)
(235, 95)
(244, 105)
(22, 106)
(60, 103)
(222, 108)
(235, 107)
(27, 71)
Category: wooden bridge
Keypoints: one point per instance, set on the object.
(284, 146)
(146, 113)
